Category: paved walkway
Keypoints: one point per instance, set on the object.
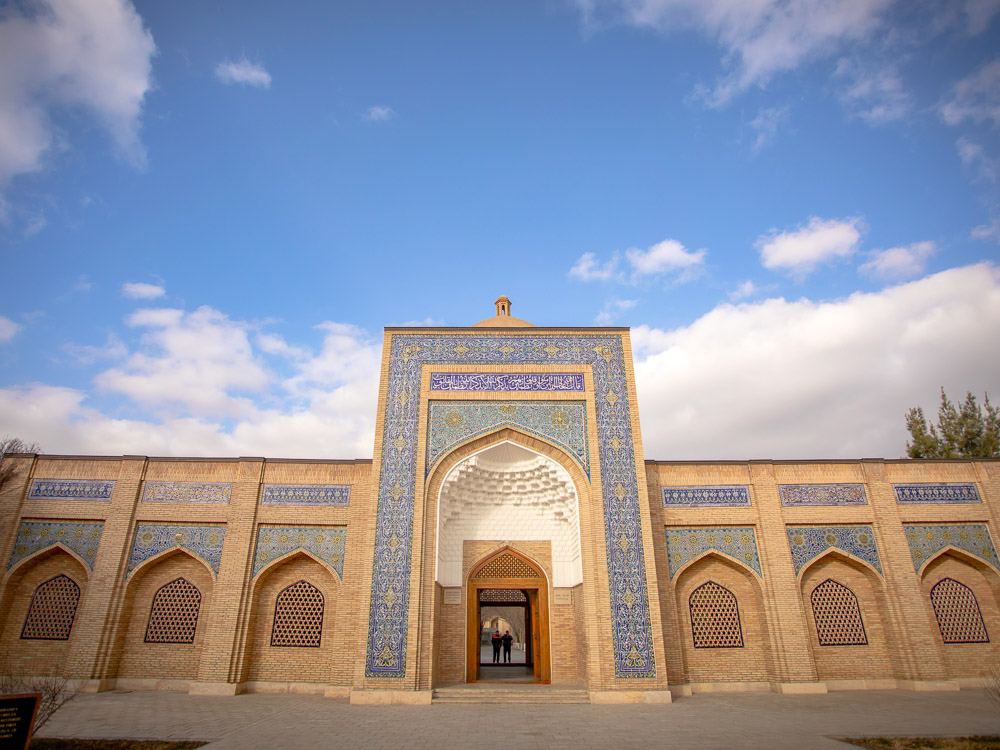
(756, 720)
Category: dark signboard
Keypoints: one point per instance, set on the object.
(17, 717)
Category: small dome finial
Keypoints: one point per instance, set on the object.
(503, 306)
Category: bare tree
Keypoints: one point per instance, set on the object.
(54, 690)
(10, 444)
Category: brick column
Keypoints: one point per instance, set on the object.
(96, 622)
(224, 638)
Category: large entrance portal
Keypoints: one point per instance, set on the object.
(508, 593)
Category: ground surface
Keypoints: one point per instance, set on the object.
(702, 722)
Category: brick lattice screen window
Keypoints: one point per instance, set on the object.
(53, 607)
(298, 616)
(174, 614)
(957, 613)
(507, 566)
(838, 617)
(715, 617)
(502, 595)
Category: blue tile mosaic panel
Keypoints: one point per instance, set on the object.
(338, 495)
(277, 541)
(822, 494)
(507, 381)
(390, 590)
(685, 544)
(707, 497)
(82, 537)
(943, 492)
(151, 539)
(562, 422)
(927, 541)
(807, 542)
(71, 489)
(187, 492)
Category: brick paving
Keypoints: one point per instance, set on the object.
(752, 720)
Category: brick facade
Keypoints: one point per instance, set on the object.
(763, 538)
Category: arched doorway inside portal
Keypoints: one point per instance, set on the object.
(507, 578)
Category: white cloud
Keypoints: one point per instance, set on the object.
(244, 72)
(874, 92)
(759, 38)
(766, 124)
(83, 284)
(587, 268)
(976, 97)
(142, 290)
(989, 231)
(743, 291)
(8, 329)
(805, 379)
(379, 113)
(974, 157)
(612, 309)
(50, 59)
(979, 13)
(801, 250)
(896, 263)
(113, 348)
(662, 257)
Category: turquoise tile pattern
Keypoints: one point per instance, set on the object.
(564, 423)
(943, 492)
(151, 539)
(390, 588)
(217, 493)
(927, 540)
(684, 544)
(337, 495)
(326, 544)
(71, 489)
(707, 497)
(808, 542)
(82, 537)
(822, 494)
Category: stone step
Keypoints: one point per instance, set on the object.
(509, 695)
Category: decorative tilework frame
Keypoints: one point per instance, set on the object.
(217, 493)
(822, 494)
(735, 495)
(507, 381)
(151, 539)
(71, 489)
(685, 544)
(273, 542)
(940, 492)
(809, 542)
(562, 422)
(927, 540)
(81, 537)
(390, 590)
(336, 495)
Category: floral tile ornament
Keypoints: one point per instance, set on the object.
(326, 544)
(81, 537)
(686, 544)
(217, 493)
(808, 542)
(390, 589)
(151, 539)
(940, 492)
(822, 494)
(337, 495)
(927, 540)
(561, 422)
(707, 497)
(71, 489)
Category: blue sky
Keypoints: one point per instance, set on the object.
(208, 211)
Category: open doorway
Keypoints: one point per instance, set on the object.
(506, 627)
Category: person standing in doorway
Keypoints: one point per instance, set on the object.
(507, 640)
(496, 640)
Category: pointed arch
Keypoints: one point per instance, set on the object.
(957, 612)
(725, 558)
(159, 557)
(715, 617)
(837, 615)
(298, 616)
(173, 614)
(52, 610)
(22, 566)
(835, 553)
(291, 555)
(975, 561)
(507, 562)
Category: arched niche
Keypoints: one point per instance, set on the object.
(267, 662)
(753, 662)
